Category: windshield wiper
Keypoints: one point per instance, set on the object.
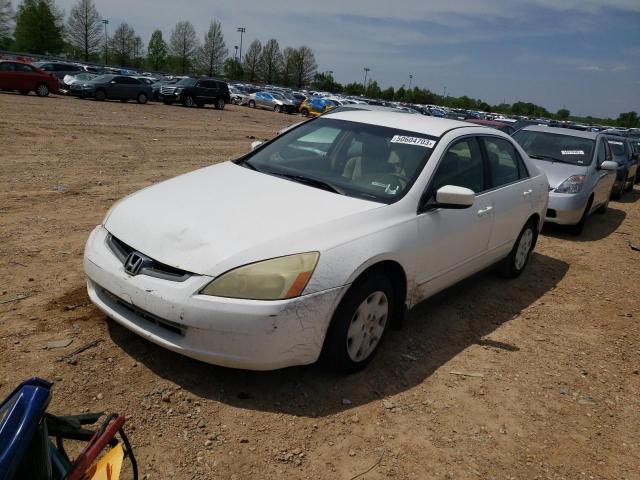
(249, 165)
(549, 157)
(313, 182)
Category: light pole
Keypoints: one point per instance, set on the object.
(236, 54)
(445, 92)
(410, 79)
(241, 30)
(106, 40)
(366, 71)
(331, 75)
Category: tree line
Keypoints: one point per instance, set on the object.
(39, 27)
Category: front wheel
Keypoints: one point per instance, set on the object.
(252, 104)
(188, 101)
(42, 90)
(515, 263)
(277, 108)
(220, 104)
(142, 98)
(304, 112)
(358, 324)
(100, 95)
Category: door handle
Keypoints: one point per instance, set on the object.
(527, 192)
(482, 212)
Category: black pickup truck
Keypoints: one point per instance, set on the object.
(192, 92)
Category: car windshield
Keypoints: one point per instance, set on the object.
(617, 147)
(556, 147)
(186, 82)
(102, 78)
(349, 158)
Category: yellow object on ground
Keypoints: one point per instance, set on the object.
(108, 467)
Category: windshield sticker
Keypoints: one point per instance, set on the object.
(420, 142)
(572, 152)
(611, 142)
(387, 187)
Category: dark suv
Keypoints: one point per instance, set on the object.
(193, 92)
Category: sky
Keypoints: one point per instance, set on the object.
(583, 55)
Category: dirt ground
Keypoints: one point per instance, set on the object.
(535, 378)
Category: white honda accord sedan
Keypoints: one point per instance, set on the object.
(313, 244)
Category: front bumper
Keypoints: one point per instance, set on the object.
(566, 209)
(249, 334)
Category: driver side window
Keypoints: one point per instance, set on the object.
(461, 166)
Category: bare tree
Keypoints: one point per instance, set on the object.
(122, 44)
(213, 51)
(270, 61)
(251, 63)
(84, 30)
(6, 18)
(184, 44)
(304, 65)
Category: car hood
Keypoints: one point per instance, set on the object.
(223, 216)
(558, 172)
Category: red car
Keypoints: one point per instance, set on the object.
(25, 78)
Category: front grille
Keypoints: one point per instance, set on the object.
(168, 325)
(153, 268)
(167, 90)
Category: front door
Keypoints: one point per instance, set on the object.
(452, 243)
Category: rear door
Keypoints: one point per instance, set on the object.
(131, 87)
(25, 76)
(512, 191)
(7, 76)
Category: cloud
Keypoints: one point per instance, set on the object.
(591, 68)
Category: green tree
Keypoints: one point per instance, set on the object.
(251, 64)
(288, 64)
(323, 81)
(6, 19)
(184, 45)
(270, 61)
(233, 69)
(157, 51)
(39, 27)
(122, 45)
(388, 94)
(84, 31)
(563, 114)
(213, 51)
(353, 88)
(628, 119)
(304, 66)
(373, 90)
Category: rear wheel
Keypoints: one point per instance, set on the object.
(515, 263)
(277, 108)
(100, 95)
(358, 324)
(252, 104)
(220, 104)
(188, 101)
(42, 90)
(142, 98)
(304, 112)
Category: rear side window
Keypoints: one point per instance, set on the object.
(21, 67)
(505, 163)
(461, 166)
(6, 67)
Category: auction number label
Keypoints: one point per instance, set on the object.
(420, 142)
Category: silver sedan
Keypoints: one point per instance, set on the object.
(579, 167)
(271, 101)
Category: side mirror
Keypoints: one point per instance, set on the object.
(454, 197)
(255, 144)
(609, 165)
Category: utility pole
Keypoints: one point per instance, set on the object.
(410, 80)
(106, 41)
(241, 30)
(235, 57)
(331, 74)
(366, 71)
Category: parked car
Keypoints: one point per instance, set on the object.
(113, 87)
(60, 69)
(635, 144)
(68, 80)
(271, 101)
(579, 167)
(627, 160)
(192, 92)
(26, 78)
(503, 127)
(239, 96)
(290, 254)
(314, 106)
(155, 92)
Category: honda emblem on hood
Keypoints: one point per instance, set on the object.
(133, 263)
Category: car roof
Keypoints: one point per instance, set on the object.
(414, 123)
(562, 131)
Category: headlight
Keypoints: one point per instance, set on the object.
(275, 279)
(573, 184)
(178, 91)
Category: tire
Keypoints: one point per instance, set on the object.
(516, 262)
(100, 95)
(220, 104)
(24, 92)
(277, 109)
(252, 104)
(602, 209)
(631, 181)
(579, 227)
(188, 101)
(304, 112)
(142, 98)
(359, 324)
(42, 90)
